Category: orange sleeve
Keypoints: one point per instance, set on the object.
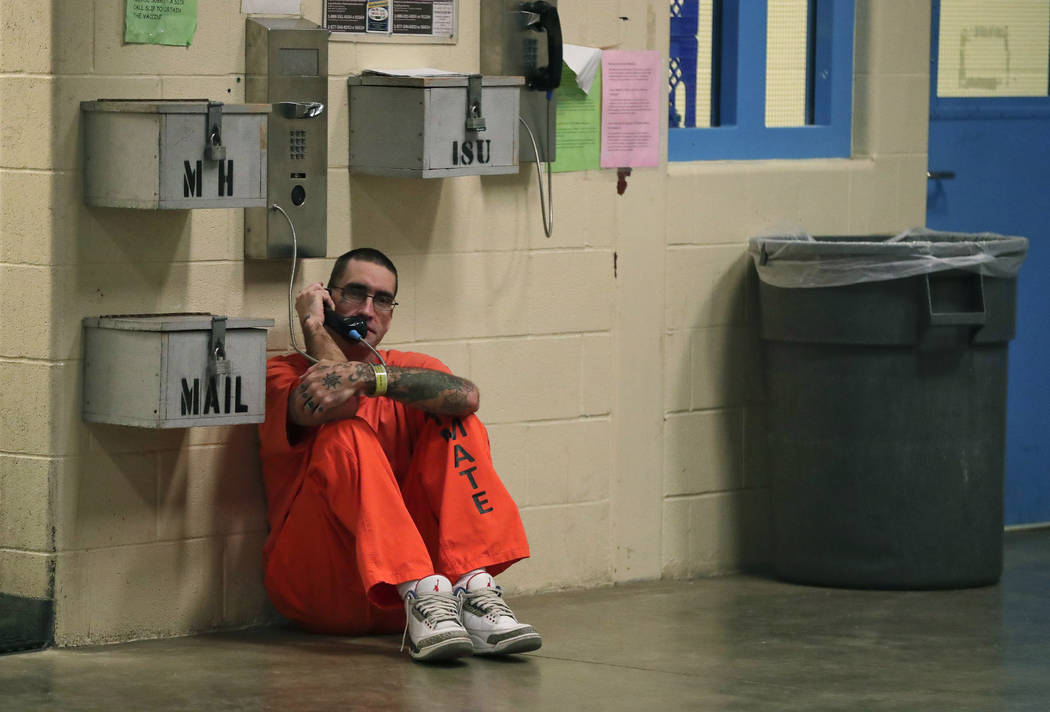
(282, 375)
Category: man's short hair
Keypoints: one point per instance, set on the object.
(362, 254)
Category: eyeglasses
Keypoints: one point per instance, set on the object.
(355, 295)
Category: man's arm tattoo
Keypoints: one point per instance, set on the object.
(434, 391)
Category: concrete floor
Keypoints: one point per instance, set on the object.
(732, 643)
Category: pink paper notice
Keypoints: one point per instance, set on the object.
(631, 84)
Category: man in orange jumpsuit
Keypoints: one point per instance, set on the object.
(384, 508)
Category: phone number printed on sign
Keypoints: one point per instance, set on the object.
(426, 18)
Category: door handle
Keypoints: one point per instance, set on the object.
(940, 175)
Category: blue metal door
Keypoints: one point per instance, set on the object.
(989, 169)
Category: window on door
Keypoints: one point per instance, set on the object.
(992, 59)
(993, 49)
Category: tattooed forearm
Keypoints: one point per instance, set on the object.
(329, 391)
(433, 391)
(457, 401)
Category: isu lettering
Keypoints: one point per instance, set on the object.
(465, 153)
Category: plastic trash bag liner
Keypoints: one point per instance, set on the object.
(802, 260)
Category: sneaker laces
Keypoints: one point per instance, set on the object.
(437, 607)
(491, 601)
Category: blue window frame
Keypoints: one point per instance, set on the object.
(738, 95)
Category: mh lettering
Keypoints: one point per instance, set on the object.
(226, 178)
(193, 179)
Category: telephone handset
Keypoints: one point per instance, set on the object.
(543, 17)
(352, 328)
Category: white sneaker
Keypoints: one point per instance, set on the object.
(488, 619)
(432, 622)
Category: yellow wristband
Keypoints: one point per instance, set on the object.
(380, 379)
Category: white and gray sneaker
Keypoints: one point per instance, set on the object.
(488, 619)
(432, 623)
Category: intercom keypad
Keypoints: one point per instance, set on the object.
(297, 144)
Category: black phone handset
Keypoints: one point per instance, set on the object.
(353, 328)
(544, 18)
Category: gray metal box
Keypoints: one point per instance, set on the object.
(167, 154)
(417, 127)
(174, 370)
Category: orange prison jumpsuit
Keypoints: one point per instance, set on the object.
(362, 504)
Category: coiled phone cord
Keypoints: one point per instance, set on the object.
(291, 282)
(291, 310)
(547, 213)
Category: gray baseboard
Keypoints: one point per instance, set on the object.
(25, 623)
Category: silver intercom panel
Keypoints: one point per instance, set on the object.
(286, 65)
(524, 39)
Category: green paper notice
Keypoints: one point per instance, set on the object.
(163, 22)
(578, 142)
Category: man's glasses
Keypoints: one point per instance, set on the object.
(354, 295)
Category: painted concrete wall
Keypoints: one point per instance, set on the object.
(617, 360)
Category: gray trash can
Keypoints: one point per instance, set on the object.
(885, 365)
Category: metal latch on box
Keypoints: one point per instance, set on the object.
(217, 363)
(213, 148)
(475, 121)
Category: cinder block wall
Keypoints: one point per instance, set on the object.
(617, 360)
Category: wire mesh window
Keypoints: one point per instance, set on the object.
(756, 65)
(690, 63)
(695, 37)
(787, 62)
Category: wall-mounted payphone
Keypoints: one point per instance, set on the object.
(524, 38)
(286, 65)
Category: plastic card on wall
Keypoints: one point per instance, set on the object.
(404, 18)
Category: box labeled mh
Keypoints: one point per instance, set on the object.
(174, 154)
